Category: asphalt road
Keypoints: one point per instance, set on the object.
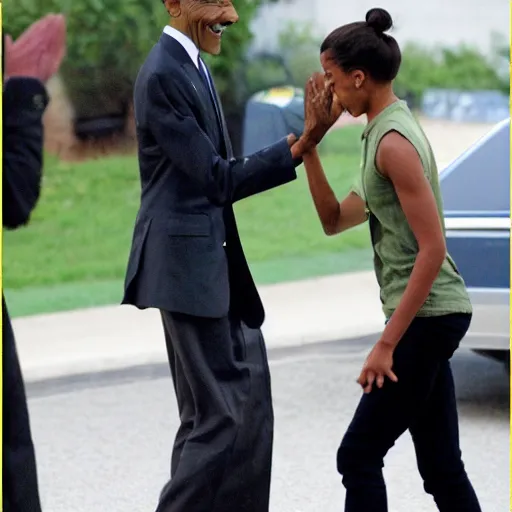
(103, 443)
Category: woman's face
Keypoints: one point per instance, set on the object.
(351, 88)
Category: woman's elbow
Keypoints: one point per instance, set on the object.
(331, 223)
(330, 228)
(436, 252)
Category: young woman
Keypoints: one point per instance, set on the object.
(407, 378)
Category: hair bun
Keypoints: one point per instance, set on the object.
(379, 19)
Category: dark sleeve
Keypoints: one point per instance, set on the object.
(175, 128)
(24, 102)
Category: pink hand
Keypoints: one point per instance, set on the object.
(39, 51)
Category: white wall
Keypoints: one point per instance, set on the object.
(448, 22)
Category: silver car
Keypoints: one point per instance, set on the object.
(476, 195)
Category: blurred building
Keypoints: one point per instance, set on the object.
(446, 22)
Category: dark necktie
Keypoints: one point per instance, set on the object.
(205, 75)
(208, 82)
(203, 71)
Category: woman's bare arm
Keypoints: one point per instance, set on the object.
(334, 216)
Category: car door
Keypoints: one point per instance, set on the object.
(476, 197)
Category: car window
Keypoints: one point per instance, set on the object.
(479, 180)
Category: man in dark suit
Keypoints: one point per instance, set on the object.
(24, 102)
(187, 260)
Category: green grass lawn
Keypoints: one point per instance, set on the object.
(74, 252)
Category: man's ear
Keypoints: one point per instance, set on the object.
(173, 7)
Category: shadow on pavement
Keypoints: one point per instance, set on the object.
(481, 383)
(145, 372)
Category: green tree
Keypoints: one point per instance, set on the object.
(106, 42)
(109, 39)
(300, 47)
(462, 67)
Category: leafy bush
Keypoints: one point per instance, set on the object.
(463, 68)
(291, 63)
(108, 41)
(264, 70)
(300, 47)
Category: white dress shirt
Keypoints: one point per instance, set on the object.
(185, 41)
(190, 48)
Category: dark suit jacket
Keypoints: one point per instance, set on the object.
(189, 182)
(24, 102)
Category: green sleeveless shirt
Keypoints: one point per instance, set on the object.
(394, 244)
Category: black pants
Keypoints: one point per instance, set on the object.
(423, 401)
(221, 461)
(20, 491)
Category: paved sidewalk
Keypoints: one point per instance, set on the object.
(118, 337)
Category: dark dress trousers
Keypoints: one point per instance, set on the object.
(187, 261)
(24, 102)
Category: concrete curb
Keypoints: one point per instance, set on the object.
(92, 363)
(114, 338)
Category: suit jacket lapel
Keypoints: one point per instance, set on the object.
(212, 111)
(202, 93)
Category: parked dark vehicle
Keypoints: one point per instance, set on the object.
(271, 115)
(263, 82)
(476, 194)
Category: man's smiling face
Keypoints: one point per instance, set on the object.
(203, 21)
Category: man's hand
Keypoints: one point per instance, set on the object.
(291, 139)
(321, 108)
(377, 367)
(39, 51)
(298, 146)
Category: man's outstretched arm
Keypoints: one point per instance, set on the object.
(177, 132)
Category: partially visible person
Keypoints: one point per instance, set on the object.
(29, 63)
(407, 378)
